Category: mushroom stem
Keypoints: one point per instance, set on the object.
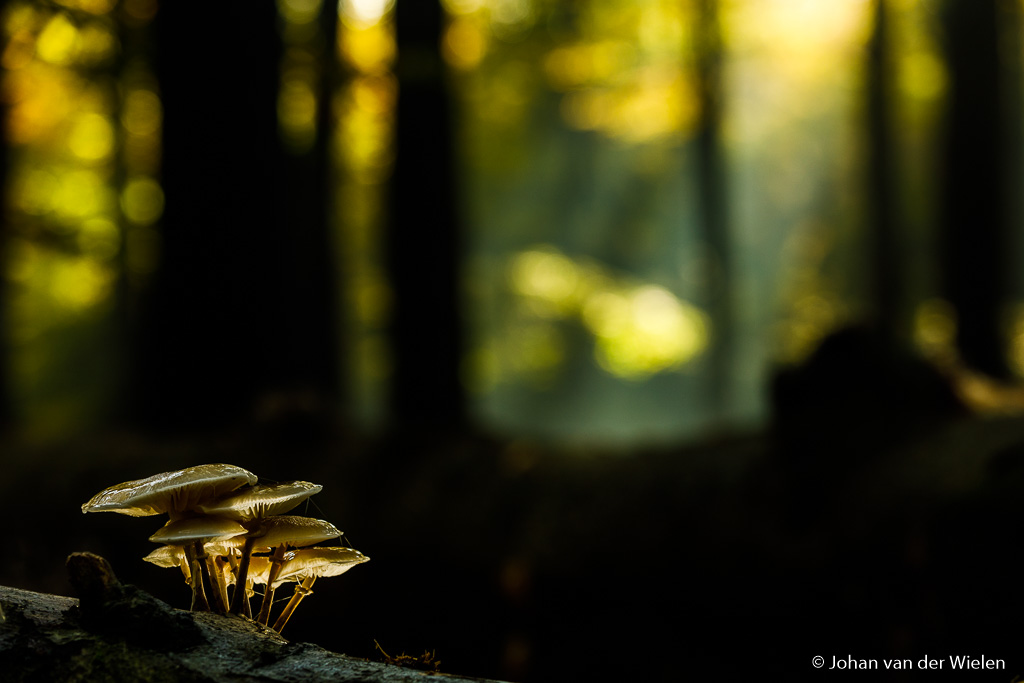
(243, 573)
(268, 595)
(265, 605)
(246, 605)
(217, 571)
(233, 560)
(199, 602)
(206, 579)
(186, 571)
(301, 590)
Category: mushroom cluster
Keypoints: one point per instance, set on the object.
(225, 530)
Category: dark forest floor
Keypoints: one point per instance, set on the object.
(519, 562)
(119, 633)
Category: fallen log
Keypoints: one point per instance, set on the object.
(118, 632)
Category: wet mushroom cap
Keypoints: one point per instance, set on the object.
(294, 531)
(174, 556)
(320, 562)
(182, 531)
(167, 556)
(261, 500)
(171, 556)
(226, 546)
(171, 492)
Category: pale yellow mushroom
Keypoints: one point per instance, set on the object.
(259, 570)
(214, 529)
(172, 492)
(306, 565)
(174, 556)
(250, 507)
(277, 533)
(292, 530)
(171, 556)
(192, 534)
(175, 493)
(260, 501)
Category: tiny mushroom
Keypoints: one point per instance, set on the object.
(250, 507)
(191, 534)
(174, 556)
(277, 533)
(305, 565)
(171, 556)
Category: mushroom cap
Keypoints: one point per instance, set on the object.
(166, 556)
(226, 546)
(174, 555)
(319, 562)
(294, 531)
(261, 500)
(170, 556)
(171, 492)
(182, 531)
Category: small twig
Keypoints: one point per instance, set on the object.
(425, 662)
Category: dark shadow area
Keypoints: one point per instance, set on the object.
(884, 529)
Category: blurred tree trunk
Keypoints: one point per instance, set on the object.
(239, 306)
(312, 355)
(713, 203)
(6, 414)
(974, 197)
(886, 287)
(423, 239)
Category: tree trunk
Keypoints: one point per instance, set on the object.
(886, 288)
(242, 304)
(713, 206)
(974, 191)
(6, 413)
(423, 241)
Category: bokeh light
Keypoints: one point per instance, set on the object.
(91, 137)
(362, 150)
(142, 200)
(935, 329)
(78, 122)
(644, 331)
(362, 14)
(638, 329)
